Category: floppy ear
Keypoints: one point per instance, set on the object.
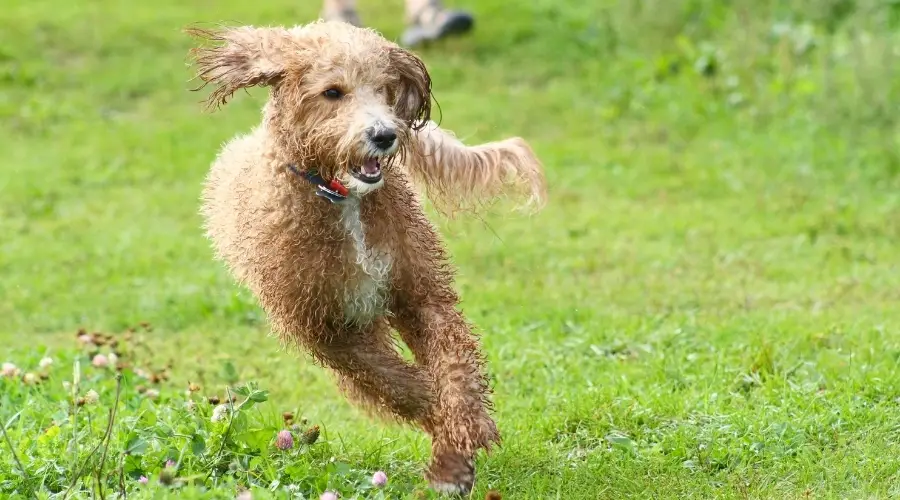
(414, 97)
(244, 57)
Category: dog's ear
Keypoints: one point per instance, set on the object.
(414, 95)
(243, 57)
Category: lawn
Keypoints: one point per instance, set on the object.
(707, 307)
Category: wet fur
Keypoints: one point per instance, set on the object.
(337, 279)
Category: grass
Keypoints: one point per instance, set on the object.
(706, 308)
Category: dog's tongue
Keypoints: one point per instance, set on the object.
(371, 166)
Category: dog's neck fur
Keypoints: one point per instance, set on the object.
(365, 293)
(365, 298)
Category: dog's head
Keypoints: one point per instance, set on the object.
(343, 99)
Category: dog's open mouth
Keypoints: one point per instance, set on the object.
(369, 172)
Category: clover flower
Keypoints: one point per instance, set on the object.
(9, 370)
(219, 413)
(284, 440)
(91, 397)
(100, 361)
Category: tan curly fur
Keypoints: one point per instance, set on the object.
(338, 279)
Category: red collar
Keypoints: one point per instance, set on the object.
(332, 190)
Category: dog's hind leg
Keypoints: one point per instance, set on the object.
(373, 374)
(443, 343)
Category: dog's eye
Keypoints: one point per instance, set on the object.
(333, 94)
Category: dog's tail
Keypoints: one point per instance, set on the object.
(460, 177)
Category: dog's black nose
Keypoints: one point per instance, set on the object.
(384, 138)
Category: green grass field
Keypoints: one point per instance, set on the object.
(707, 307)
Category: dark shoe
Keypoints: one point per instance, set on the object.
(349, 16)
(435, 23)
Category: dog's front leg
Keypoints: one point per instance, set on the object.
(373, 374)
(444, 345)
(456, 175)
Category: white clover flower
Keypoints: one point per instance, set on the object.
(151, 394)
(219, 413)
(45, 363)
(91, 398)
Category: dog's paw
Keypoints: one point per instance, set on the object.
(451, 474)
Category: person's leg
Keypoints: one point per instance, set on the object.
(341, 10)
(429, 20)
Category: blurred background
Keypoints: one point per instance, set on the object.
(712, 287)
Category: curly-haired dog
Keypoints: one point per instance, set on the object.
(314, 210)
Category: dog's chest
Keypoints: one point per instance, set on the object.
(365, 292)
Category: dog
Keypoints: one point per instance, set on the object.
(319, 211)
